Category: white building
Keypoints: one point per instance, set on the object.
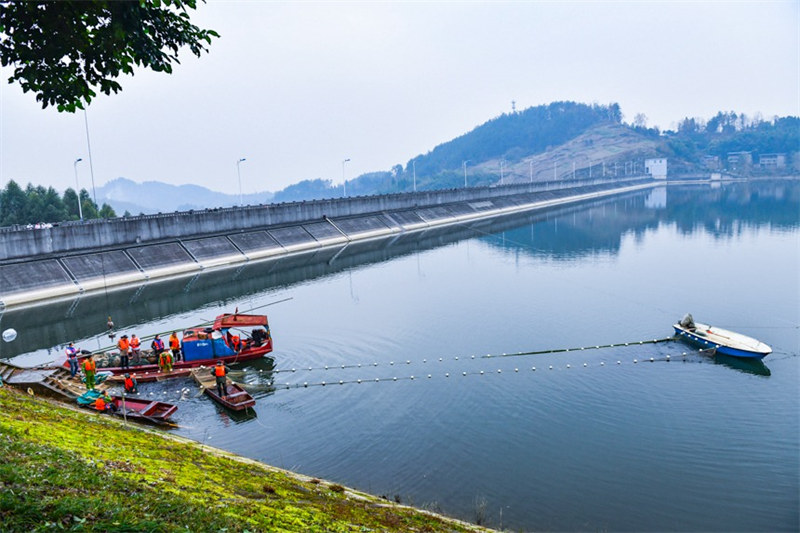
(772, 161)
(657, 168)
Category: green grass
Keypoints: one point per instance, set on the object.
(68, 470)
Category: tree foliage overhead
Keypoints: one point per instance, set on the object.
(64, 51)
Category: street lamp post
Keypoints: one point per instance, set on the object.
(502, 166)
(239, 174)
(464, 164)
(414, 166)
(344, 181)
(77, 187)
(530, 169)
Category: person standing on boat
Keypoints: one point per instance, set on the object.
(89, 370)
(72, 357)
(157, 345)
(136, 349)
(165, 361)
(130, 384)
(220, 371)
(175, 346)
(124, 345)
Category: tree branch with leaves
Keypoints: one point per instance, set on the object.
(65, 51)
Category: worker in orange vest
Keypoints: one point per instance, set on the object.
(124, 345)
(136, 349)
(220, 371)
(104, 403)
(165, 361)
(237, 343)
(130, 384)
(89, 370)
(175, 346)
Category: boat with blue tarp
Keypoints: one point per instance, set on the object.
(231, 338)
(721, 340)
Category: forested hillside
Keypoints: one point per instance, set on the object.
(36, 205)
(731, 132)
(516, 135)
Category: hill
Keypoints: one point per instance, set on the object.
(154, 196)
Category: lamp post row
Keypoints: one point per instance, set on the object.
(77, 187)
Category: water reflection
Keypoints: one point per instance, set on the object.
(565, 233)
(721, 210)
(755, 367)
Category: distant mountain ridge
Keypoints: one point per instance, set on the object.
(152, 197)
(557, 141)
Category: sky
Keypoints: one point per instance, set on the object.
(296, 88)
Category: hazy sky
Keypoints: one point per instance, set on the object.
(296, 87)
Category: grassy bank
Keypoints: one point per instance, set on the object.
(64, 469)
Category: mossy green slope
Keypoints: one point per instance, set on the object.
(64, 469)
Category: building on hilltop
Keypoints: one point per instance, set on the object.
(739, 160)
(711, 162)
(772, 161)
(657, 168)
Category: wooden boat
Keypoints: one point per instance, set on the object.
(150, 376)
(138, 409)
(723, 341)
(237, 399)
(232, 338)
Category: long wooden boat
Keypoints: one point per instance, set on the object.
(139, 409)
(237, 399)
(232, 338)
(723, 341)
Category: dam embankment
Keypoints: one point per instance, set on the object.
(73, 258)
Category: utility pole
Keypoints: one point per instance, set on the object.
(344, 181)
(239, 174)
(414, 166)
(77, 187)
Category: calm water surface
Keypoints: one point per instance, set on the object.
(597, 442)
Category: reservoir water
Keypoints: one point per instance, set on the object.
(592, 439)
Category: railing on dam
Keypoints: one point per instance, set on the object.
(21, 243)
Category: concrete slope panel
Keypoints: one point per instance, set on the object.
(407, 219)
(324, 231)
(210, 248)
(437, 213)
(35, 275)
(254, 241)
(160, 255)
(292, 236)
(484, 205)
(504, 202)
(358, 226)
(461, 209)
(98, 265)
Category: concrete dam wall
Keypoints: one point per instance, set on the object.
(73, 258)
